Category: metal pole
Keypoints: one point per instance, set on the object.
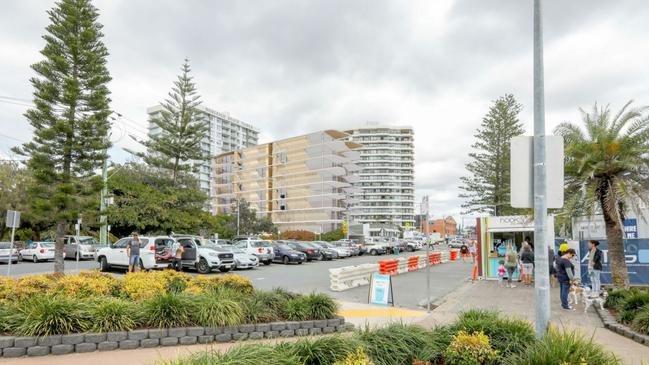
(78, 243)
(103, 228)
(238, 208)
(542, 283)
(11, 248)
(427, 265)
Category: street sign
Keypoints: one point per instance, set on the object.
(381, 290)
(522, 171)
(13, 219)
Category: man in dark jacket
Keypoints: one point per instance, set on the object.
(595, 258)
(566, 276)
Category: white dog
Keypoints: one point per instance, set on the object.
(583, 292)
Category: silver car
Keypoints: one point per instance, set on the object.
(83, 246)
(7, 254)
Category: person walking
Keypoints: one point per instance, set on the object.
(473, 250)
(133, 253)
(565, 275)
(511, 263)
(595, 258)
(527, 264)
(464, 251)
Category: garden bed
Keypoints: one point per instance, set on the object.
(58, 314)
(626, 312)
(478, 337)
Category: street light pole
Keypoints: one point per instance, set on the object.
(542, 282)
(103, 227)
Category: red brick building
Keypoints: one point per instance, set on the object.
(445, 227)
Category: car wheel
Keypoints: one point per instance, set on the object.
(322, 257)
(267, 262)
(411, 249)
(21, 258)
(103, 264)
(299, 263)
(308, 260)
(35, 258)
(224, 269)
(286, 260)
(202, 266)
(373, 252)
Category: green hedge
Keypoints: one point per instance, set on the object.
(631, 307)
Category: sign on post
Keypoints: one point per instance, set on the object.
(381, 289)
(522, 171)
(13, 219)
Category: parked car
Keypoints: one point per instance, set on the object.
(326, 254)
(7, 253)
(376, 248)
(114, 256)
(286, 254)
(311, 252)
(455, 244)
(260, 248)
(354, 249)
(203, 255)
(242, 259)
(341, 251)
(37, 251)
(413, 245)
(84, 246)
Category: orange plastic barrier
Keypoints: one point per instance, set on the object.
(388, 267)
(413, 263)
(453, 255)
(435, 258)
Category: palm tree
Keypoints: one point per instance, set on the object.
(607, 166)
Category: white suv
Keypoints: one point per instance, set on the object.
(203, 255)
(115, 254)
(262, 249)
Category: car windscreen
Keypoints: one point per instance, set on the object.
(4, 245)
(88, 241)
(260, 244)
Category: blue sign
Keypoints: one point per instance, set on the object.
(380, 289)
(637, 260)
(631, 228)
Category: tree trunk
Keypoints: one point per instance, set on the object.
(59, 265)
(617, 259)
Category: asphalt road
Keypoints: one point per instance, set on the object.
(409, 289)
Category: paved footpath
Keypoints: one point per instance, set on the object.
(519, 302)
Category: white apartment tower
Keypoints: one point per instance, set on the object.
(384, 196)
(225, 134)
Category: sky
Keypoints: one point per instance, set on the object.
(294, 67)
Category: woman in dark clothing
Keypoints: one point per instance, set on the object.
(527, 264)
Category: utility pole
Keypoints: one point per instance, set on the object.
(542, 283)
(103, 219)
(238, 217)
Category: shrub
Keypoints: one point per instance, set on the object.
(394, 344)
(437, 341)
(204, 284)
(33, 285)
(641, 321)
(48, 315)
(79, 286)
(263, 307)
(211, 310)
(507, 335)
(321, 351)
(167, 310)
(563, 348)
(321, 306)
(141, 285)
(357, 357)
(297, 309)
(7, 287)
(112, 314)
(631, 305)
(615, 298)
(240, 355)
(470, 349)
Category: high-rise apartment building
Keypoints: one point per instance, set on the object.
(225, 134)
(386, 190)
(300, 182)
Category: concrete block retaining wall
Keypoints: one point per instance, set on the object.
(144, 338)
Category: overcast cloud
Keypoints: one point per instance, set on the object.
(291, 67)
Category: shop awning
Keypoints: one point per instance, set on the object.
(510, 229)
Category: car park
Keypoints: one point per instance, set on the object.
(260, 248)
(7, 253)
(311, 252)
(341, 251)
(286, 254)
(203, 255)
(85, 247)
(37, 251)
(114, 255)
